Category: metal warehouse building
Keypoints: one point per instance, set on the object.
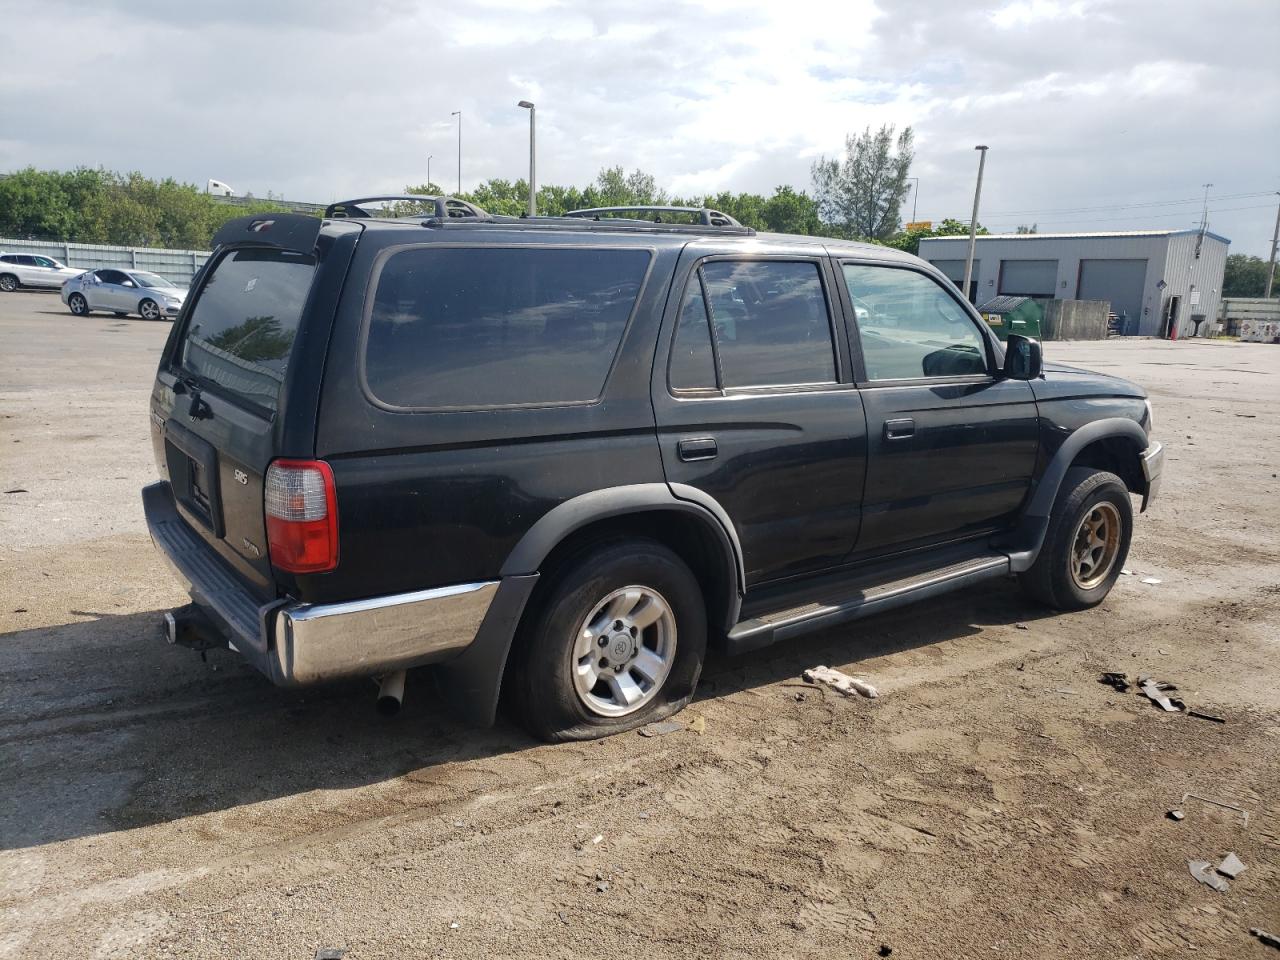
(1155, 279)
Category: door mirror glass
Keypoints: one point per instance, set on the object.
(1023, 359)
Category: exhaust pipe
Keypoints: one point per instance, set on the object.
(390, 693)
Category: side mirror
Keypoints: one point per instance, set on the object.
(1023, 359)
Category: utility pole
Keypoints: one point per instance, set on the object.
(915, 197)
(1204, 214)
(458, 114)
(533, 168)
(429, 170)
(1275, 237)
(973, 222)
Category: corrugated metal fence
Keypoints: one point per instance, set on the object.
(176, 265)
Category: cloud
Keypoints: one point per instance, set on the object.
(1094, 103)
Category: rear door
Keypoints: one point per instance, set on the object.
(951, 444)
(755, 408)
(223, 390)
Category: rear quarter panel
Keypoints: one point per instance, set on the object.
(439, 497)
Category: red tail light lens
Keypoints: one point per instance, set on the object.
(301, 505)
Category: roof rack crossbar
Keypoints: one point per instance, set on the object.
(706, 216)
(444, 207)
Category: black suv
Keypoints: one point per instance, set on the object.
(558, 457)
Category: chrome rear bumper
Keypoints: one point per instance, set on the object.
(296, 644)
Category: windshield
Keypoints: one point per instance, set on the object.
(152, 280)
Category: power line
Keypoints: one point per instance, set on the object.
(1125, 206)
(1150, 216)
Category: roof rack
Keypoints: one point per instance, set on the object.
(706, 216)
(445, 208)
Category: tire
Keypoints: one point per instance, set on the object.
(8, 282)
(1086, 544)
(78, 305)
(595, 620)
(149, 310)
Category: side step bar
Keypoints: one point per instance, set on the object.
(862, 601)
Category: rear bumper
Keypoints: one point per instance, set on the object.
(1152, 469)
(294, 643)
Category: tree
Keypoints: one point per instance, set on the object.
(1023, 228)
(864, 192)
(910, 240)
(1246, 276)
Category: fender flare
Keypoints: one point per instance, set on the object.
(472, 681)
(1035, 518)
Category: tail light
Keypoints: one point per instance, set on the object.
(301, 505)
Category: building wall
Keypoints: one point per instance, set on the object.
(1170, 257)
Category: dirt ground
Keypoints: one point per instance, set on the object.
(995, 801)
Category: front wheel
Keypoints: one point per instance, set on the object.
(78, 305)
(617, 642)
(1086, 544)
(149, 310)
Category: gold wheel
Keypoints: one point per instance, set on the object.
(1096, 545)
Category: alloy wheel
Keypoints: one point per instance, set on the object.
(1095, 545)
(624, 651)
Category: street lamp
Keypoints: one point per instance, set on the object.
(533, 169)
(458, 114)
(430, 157)
(973, 222)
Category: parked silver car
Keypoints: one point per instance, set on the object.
(29, 270)
(123, 292)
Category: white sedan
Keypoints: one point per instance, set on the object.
(28, 270)
(123, 292)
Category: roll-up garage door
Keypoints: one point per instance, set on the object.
(1119, 282)
(1029, 278)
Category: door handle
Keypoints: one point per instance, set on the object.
(703, 448)
(899, 429)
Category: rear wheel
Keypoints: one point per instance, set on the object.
(149, 310)
(8, 282)
(78, 305)
(1086, 544)
(618, 642)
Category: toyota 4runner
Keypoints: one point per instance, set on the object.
(558, 457)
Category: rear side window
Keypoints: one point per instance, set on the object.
(241, 330)
(498, 326)
(770, 323)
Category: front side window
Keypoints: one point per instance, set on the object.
(910, 327)
(771, 323)
(467, 327)
(152, 280)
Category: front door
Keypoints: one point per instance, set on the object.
(756, 408)
(951, 443)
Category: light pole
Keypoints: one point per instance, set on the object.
(1204, 214)
(458, 114)
(915, 197)
(973, 223)
(1275, 238)
(533, 167)
(429, 158)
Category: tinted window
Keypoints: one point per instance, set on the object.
(111, 276)
(241, 331)
(693, 365)
(486, 326)
(910, 327)
(771, 322)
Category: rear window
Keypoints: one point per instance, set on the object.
(498, 326)
(241, 331)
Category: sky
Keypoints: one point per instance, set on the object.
(1099, 114)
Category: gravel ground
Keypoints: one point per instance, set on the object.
(995, 801)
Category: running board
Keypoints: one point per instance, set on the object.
(862, 599)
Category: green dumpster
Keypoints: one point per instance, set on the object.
(1021, 315)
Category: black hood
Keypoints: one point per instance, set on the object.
(1061, 380)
